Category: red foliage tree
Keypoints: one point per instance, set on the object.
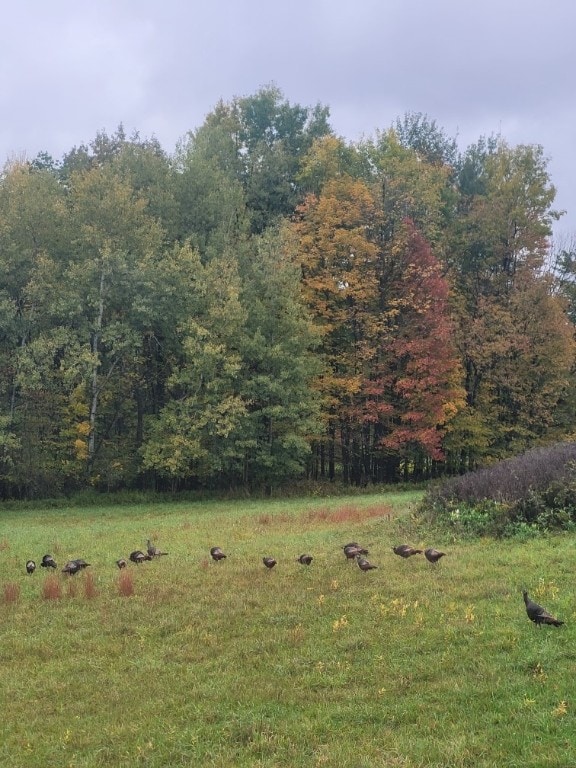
(422, 373)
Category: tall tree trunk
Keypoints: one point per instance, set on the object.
(345, 450)
(94, 346)
(14, 388)
(139, 416)
(331, 461)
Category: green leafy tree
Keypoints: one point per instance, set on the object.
(497, 259)
(270, 136)
(94, 289)
(192, 440)
(330, 158)
(279, 365)
(420, 133)
(412, 185)
(507, 220)
(32, 222)
(211, 201)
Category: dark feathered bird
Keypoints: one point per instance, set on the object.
(405, 550)
(305, 559)
(364, 565)
(30, 566)
(433, 555)
(153, 551)
(81, 563)
(351, 551)
(269, 562)
(537, 614)
(48, 562)
(71, 567)
(139, 557)
(355, 545)
(217, 554)
(121, 563)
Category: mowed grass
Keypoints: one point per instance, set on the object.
(193, 663)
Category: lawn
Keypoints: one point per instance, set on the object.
(186, 662)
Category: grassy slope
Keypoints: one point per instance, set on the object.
(409, 665)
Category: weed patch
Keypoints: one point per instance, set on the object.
(90, 591)
(11, 592)
(125, 584)
(348, 513)
(52, 589)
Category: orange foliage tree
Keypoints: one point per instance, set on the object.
(391, 378)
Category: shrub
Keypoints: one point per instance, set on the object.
(485, 518)
(553, 507)
(513, 479)
(522, 496)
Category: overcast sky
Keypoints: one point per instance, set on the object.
(69, 68)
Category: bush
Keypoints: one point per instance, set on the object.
(523, 496)
(553, 507)
(485, 518)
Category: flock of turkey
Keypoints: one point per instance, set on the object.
(352, 551)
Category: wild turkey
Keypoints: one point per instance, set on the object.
(405, 550)
(30, 566)
(269, 562)
(48, 562)
(72, 567)
(364, 564)
(217, 554)
(537, 614)
(81, 563)
(121, 563)
(139, 557)
(352, 550)
(433, 555)
(153, 551)
(305, 559)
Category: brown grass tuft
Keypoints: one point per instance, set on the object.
(319, 514)
(4, 545)
(125, 584)
(11, 592)
(71, 586)
(52, 589)
(278, 519)
(90, 591)
(348, 513)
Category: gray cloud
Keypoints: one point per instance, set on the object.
(70, 68)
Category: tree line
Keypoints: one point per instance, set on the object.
(272, 302)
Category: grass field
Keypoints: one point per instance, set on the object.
(185, 662)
